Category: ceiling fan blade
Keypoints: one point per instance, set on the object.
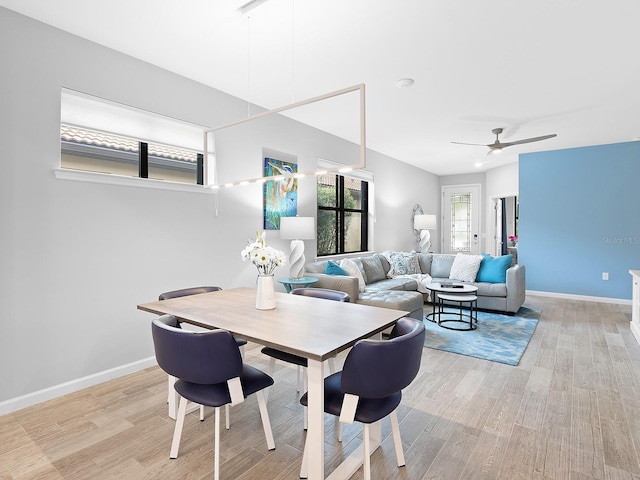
(527, 140)
(474, 144)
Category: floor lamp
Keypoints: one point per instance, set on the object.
(424, 223)
(297, 229)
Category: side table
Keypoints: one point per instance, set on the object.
(460, 317)
(301, 282)
(448, 288)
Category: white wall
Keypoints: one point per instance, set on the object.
(76, 258)
(500, 182)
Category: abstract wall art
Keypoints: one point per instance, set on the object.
(280, 196)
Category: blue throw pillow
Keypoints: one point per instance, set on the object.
(494, 269)
(333, 268)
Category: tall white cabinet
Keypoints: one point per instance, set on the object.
(635, 308)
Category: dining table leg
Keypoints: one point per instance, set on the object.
(315, 430)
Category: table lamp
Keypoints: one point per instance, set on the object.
(424, 223)
(297, 229)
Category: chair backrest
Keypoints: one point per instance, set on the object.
(184, 292)
(379, 368)
(325, 293)
(198, 357)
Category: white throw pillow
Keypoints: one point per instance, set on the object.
(353, 271)
(465, 267)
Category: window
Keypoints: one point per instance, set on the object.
(100, 136)
(342, 214)
(461, 222)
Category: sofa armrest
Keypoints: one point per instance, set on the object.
(516, 287)
(341, 283)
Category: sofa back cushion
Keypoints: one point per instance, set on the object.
(441, 265)
(316, 267)
(424, 260)
(373, 269)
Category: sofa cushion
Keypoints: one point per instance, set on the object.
(408, 301)
(402, 263)
(441, 265)
(398, 283)
(424, 260)
(316, 267)
(465, 267)
(333, 268)
(354, 271)
(494, 269)
(373, 268)
(491, 289)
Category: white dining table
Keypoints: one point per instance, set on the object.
(313, 328)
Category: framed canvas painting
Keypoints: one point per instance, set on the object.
(280, 196)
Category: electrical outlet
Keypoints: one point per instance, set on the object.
(605, 275)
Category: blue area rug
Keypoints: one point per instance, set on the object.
(499, 338)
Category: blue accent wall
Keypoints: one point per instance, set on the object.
(580, 216)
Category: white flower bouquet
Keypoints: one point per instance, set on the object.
(265, 258)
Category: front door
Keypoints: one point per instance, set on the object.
(461, 219)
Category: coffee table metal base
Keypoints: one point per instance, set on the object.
(464, 321)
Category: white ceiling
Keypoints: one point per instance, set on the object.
(533, 67)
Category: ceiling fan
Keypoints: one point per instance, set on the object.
(497, 146)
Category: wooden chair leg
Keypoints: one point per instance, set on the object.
(177, 431)
(304, 468)
(216, 446)
(202, 413)
(227, 421)
(339, 427)
(397, 441)
(266, 424)
(298, 368)
(366, 452)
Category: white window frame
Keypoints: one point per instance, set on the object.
(93, 112)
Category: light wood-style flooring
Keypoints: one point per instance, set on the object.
(570, 410)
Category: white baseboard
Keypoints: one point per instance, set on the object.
(585, 298)
(33, 398)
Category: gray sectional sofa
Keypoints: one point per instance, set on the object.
(403, 292)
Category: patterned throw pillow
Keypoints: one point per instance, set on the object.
(465, 267)
(402, 263)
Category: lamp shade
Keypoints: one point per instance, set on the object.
(425, 222)
(297, 228)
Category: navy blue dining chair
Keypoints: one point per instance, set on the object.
(185, 292)
(209, 371)
(369, 387)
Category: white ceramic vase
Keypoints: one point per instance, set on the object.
(266, 295)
